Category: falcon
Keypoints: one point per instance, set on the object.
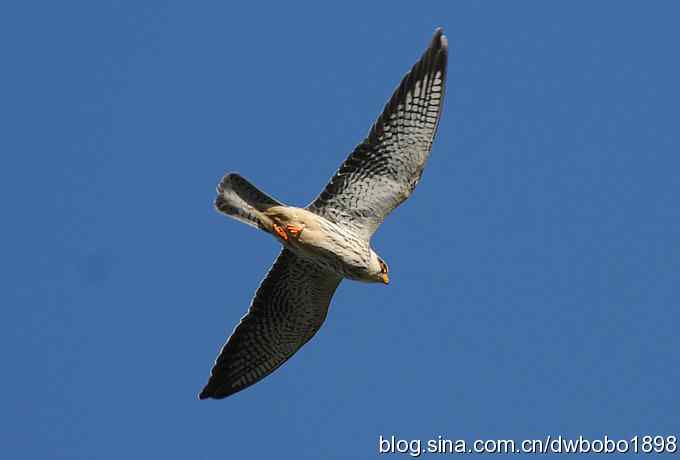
(330, 239)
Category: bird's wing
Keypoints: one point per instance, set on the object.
(289, 307)
(384, 169)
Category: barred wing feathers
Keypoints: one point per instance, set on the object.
(384, 169)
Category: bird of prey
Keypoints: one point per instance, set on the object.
(329, 239)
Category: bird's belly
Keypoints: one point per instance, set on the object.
(343, 254)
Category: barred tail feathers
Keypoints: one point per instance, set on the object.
(241, 200)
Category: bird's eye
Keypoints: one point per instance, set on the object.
(383, 267)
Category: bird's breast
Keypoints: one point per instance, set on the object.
(333, 247)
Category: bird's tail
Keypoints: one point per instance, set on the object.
(238, 198)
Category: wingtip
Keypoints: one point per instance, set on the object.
(212, 393)
(215, 390)
(444, 43)
(439, 40)
(207, 392)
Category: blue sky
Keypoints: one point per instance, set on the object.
(534, 272)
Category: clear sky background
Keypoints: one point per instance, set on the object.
(535, 271)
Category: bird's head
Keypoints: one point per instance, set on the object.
(378, 270)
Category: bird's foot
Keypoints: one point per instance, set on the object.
(294, 230)
(280, 232)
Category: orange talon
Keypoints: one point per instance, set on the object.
(281, 232)
(293, 230)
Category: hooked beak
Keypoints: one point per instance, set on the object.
(385, 278)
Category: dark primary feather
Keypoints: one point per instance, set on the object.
(289, 307)
(384, 169)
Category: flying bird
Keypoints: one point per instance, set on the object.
(330, 239)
